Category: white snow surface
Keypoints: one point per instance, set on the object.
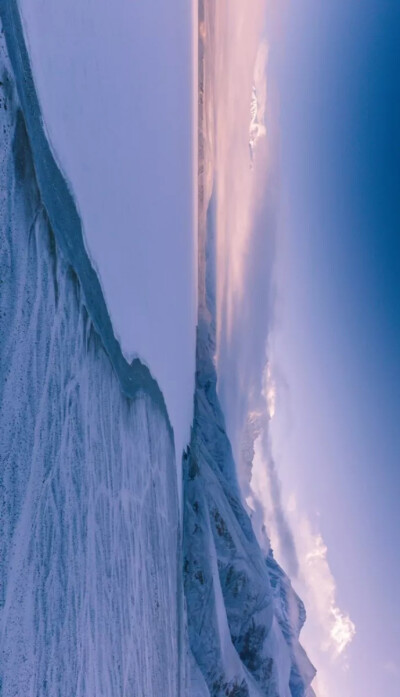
(115, 84)
(91, 598)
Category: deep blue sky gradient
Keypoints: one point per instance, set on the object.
(338, 312)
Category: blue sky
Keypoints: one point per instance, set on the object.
(336, 338)
(314, 344)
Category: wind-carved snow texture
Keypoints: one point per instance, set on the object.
(90, 575)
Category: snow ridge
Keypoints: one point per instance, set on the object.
(91, 596)
(64, 217)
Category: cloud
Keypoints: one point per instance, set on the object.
(246, 185)
(265, 503)
(258, 104)
(268, 390)
(332, 627)
(300, 548)
(302, 552)
(265, 498)
(240, 68)
(244, 136)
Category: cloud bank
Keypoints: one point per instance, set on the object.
(300, 548)
(246, 188)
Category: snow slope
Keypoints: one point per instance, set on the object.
(90, 575)
(244, 618)
(94, 575)
(115, 87)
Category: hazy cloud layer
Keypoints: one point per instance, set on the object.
(247, 193)
(300, 548)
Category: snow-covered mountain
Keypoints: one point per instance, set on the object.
(243, 616)
(102, 591)
(91, 599)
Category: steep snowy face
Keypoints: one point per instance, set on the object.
(90, 578)
(291, 615)
(115, 87)
(244, 618)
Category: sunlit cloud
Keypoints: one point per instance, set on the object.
(329, 630)
(240, 105)
(269, 390)
(300, 548)
(335, 628)
(245, 133)
(265, 498)
(258, 105)
(303, 553)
